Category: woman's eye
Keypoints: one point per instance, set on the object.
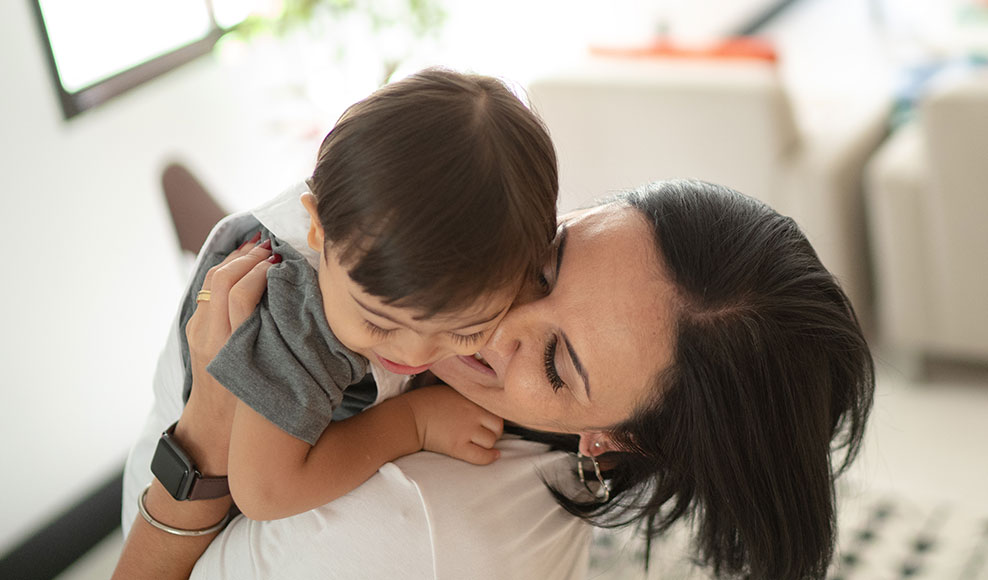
(542, 282)
(467, 339)
(555, 381)
(377, 330)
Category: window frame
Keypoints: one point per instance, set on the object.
(90, 96)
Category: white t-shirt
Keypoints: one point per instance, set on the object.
(423, 516)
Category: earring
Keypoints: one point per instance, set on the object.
(603, 493)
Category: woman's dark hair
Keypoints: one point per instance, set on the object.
(771, 375)
(437, 189)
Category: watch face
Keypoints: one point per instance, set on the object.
(172, 468)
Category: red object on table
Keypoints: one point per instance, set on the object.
(742, 47)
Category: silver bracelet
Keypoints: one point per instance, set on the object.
(176, 531)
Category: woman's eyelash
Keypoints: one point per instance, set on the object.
(555, 381)
(377, 330)
(467, 339)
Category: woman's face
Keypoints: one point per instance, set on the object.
(581, 358)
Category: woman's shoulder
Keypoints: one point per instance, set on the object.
(500, 516)
(424, 516)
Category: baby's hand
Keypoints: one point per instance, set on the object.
(450, 424)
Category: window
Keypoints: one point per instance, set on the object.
(98, 49)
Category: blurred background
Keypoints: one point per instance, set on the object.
(866, 120)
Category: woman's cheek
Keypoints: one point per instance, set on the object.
(524, 392)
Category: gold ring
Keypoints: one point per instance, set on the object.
(203, 296)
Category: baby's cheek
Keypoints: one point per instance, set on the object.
(360, 344)
(352, 334)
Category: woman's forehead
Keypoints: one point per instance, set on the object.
(617, 310)
(603, 231)
(595, 213)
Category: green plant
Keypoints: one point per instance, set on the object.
(416, 19)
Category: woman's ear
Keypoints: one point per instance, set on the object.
(316, 237)
(593, 443)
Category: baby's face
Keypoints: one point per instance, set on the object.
(393, 337)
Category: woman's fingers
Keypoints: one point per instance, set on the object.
(242, 250)
(228, 273)
(247, 292)
(210, 327)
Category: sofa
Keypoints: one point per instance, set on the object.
(620, 121)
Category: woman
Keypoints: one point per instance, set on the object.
(690, 338)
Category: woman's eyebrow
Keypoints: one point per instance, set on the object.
(560, 246)
(577, 364)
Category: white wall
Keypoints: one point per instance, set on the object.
(92, 274)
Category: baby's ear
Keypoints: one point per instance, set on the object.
(316, 237)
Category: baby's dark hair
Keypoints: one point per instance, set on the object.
(437, 189)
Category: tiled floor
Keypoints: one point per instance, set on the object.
(927, 438)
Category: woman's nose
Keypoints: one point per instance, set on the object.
(517, 326)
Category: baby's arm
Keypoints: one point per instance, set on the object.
(274, 475)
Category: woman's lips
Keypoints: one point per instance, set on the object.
(401, 369)
(477, 365)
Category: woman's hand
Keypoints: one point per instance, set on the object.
(235, 287)
(449, 423)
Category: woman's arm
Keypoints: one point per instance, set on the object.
(203, 429)
(274, 475)
(153, 554)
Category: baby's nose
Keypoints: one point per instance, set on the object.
(421, 351)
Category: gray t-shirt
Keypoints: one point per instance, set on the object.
(284, 361)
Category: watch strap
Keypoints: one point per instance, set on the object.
(208, 487)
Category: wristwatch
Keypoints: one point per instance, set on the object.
(176, 472)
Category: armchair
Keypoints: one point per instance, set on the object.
(927, 194)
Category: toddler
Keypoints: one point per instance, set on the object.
(432, 202)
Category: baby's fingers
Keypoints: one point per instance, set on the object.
(477, 455)
(493, 423)
(484, 438)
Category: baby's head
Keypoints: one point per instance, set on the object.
(434, 200)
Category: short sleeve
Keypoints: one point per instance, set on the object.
(284, 361)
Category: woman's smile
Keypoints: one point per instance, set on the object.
(478, 363)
